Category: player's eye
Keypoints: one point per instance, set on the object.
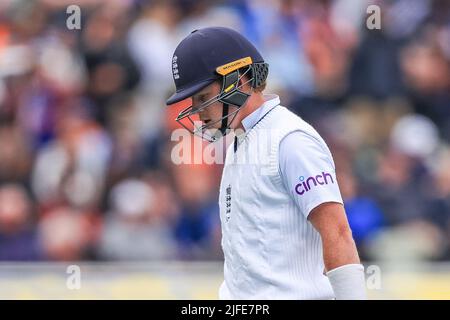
(199, 100)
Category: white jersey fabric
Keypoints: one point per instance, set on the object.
(274, 175)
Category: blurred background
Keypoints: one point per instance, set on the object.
(85, 150)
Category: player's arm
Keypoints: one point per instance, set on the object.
(308, 172)
(340, 255)
(330, 221)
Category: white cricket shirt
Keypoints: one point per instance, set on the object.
(280, 170)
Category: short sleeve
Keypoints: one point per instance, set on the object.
(307, 170)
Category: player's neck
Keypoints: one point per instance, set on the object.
(255, 101)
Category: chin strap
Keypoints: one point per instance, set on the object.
(231, 95)
(224, 126)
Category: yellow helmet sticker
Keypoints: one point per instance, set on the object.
(237, 64)
(229, 88)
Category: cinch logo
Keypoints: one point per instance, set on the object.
(305, 186)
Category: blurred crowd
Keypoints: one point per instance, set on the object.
(85, 166)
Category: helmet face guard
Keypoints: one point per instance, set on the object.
(230, 94)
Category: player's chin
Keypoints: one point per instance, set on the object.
(213, 131)
(211, 125)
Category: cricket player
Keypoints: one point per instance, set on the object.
(285, 233)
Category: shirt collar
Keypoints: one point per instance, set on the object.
(270, 101)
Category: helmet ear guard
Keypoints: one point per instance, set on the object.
(230, 84)
(230, 93)
(258, 74)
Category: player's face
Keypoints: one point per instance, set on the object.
(214, 112)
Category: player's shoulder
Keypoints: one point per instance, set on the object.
(291, 123)
(303, 142)
(299, 134)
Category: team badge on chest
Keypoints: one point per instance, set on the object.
(228, 203)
